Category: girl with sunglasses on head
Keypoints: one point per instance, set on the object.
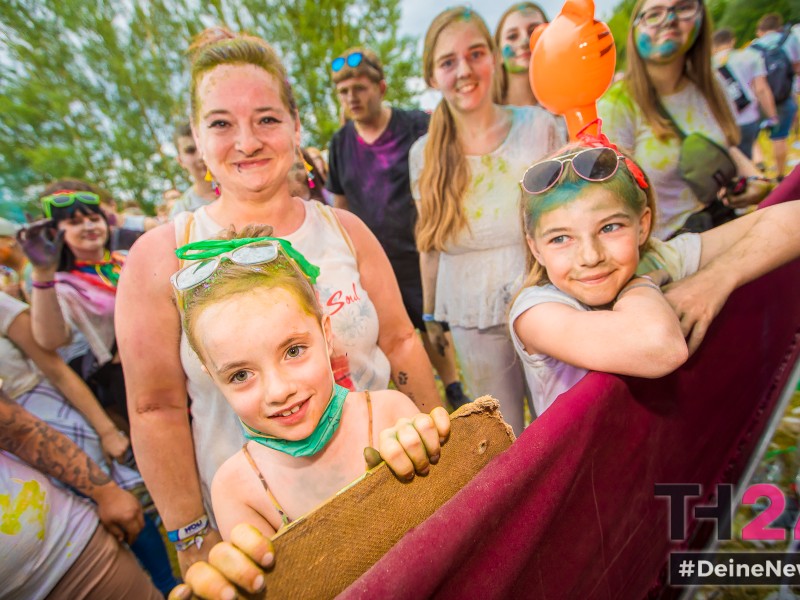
(305, 434)
(592, 299)
(669, 83)
(513, 36)
(245, 122)
(464, 176)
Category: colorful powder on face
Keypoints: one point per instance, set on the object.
(508, 61)
(667, 51)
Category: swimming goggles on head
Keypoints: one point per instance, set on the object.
(244, 252)
(352, 60)
(63, 198)
(591, 164)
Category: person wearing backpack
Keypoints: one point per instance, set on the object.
(781, 52)
(744, 78)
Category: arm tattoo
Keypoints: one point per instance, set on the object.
(402, 378)
(47, 450)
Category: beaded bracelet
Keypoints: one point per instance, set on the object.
(44, 285)
(195, 540)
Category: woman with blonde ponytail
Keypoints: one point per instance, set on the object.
(465, 175)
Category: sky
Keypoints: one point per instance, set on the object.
(418, 14)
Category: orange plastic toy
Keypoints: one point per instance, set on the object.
(572, 64)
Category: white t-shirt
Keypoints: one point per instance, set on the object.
(19, 375)
(745, 65)
(481, 269)
(624, 124)
(44, 530)
(549, 377)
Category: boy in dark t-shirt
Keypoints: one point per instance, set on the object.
(368, 164)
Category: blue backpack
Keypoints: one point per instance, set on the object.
(780, 72)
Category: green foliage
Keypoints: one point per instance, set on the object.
(94, 89)
(741, 16)
(619, 23)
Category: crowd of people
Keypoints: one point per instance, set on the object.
(226, 367)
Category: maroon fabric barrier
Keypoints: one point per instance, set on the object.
(789, 189)
(569, 511)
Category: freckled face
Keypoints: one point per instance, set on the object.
(247, 136)
(463, 66)
(269, 359)
(590, 246)
(515, 39)
(672, 38)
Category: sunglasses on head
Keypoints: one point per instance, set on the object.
(591, 164)
(64, 198)
(352, 60)
(209, 254)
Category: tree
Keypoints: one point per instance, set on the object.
(94, 89)
(309, 34)
(742, 16)
(90, 92)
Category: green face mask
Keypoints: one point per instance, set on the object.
(322, 434)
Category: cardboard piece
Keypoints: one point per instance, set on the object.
(322, 553)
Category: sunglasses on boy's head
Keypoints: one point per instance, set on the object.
(64, 198)
(244, 252)
(592, 164)
(352, 60)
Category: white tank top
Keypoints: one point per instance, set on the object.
(354, 322)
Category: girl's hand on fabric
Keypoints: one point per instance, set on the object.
(697, 300)
(115, 444)
(414, 444)
(436, 337)
(119, 511)
(42, 243)
(755, 191)
(240, 562)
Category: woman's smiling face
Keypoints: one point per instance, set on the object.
(463, 66)
(247, 135)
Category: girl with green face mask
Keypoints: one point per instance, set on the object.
(252, 316)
